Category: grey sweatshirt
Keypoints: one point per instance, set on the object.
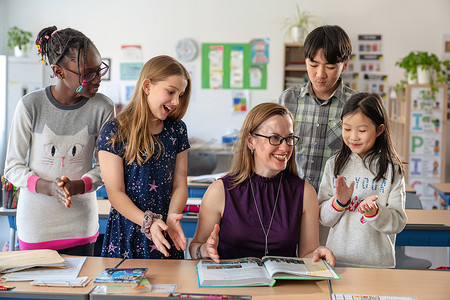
(354, 238)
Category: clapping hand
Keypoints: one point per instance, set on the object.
(368, 204)
(344, 192)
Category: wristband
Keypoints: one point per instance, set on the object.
(31, 183)
(87, 184)
(149, 217)
(372, 213)
(337, 206)
(198, 253)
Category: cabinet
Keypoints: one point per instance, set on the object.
(294, 65)
(18, 76)
(419, 126)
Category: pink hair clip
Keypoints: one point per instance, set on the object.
(46, 36)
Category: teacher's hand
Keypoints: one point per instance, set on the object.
(212, 243)
(325, 253)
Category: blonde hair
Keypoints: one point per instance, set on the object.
(243, 164)
(135, 119)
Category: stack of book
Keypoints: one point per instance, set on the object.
(123, 280)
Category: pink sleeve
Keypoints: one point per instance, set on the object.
(31, 183)
(87, 184)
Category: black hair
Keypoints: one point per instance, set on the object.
(371, 105)
(332, 39)
(57, 46)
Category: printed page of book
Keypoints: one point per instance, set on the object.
(285, 267)
(296, 268)
(234, 272)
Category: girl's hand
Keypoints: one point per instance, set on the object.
(73, 187)
(368, 204)
(344, 192)
(212, 243)
(62, 184)
(57, 191)
(325, 253)
(175, 230)
(157, 236)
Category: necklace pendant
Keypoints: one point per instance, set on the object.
(267, 248)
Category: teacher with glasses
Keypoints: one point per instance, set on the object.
(261, 206)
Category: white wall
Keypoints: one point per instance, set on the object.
(157, 25)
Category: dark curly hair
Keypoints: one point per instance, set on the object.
(56, 46)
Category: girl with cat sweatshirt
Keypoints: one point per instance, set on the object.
(53, 144)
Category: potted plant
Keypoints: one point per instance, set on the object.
(18, 40)
(429, 66)
(297, 26)
(425, 67)
(409, 63)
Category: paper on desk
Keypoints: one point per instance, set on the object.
(77, 282)
(73, 268)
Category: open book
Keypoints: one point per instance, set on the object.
(252, 271)
(12, 261)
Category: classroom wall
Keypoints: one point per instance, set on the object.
(157, 25)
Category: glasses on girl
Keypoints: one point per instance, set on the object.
(276, 140)
(90, 76)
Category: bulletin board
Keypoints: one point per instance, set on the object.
(427, 140)
(229, 66)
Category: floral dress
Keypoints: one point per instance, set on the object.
(149, 187)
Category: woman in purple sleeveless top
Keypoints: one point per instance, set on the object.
(261, 207)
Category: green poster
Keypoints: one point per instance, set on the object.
(228, 66)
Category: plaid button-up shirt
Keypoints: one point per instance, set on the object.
(318, 124)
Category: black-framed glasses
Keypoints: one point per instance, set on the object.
(90, 76)
(276, 140)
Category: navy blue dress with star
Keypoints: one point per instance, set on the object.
(149, 187)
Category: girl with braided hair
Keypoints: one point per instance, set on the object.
(52, 149)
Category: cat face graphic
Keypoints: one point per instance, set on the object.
(59, 151)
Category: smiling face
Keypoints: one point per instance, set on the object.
(93, 63)
(270, 159)
(323, 75)
(164, 96)
(359, 132)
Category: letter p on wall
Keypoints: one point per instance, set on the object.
(416, 142)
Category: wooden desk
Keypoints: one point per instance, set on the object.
(421, 284)
(426, 227)
(429, 284)
(443, 189)
(91, 268)
(183, 273)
